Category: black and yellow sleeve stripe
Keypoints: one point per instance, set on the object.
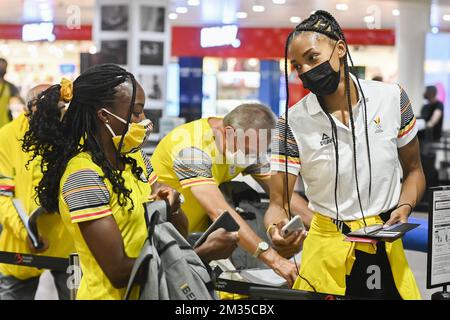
(86, 195)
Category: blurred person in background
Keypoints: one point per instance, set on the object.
(433, 114)
(18, 179)
(7, 91)
(430, 130)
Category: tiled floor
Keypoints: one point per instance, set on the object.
(418, 263)
(46, 289)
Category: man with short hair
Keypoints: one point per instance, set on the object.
(7, 91)
(197, 157)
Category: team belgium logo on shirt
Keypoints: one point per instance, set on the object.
(325, 140)
(378, 125)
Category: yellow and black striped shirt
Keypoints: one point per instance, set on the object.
(86, 195)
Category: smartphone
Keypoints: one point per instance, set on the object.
(295, 224)
(225, 220)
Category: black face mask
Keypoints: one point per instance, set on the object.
(2, 73)
(322, 80)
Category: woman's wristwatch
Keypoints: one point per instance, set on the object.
(262, 247)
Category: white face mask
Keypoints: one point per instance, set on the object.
(230, 157)
(240, 159)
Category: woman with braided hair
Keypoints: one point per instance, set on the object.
(354, 144)
(97, 177)
(91, 175)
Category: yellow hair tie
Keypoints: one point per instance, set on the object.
(66, 90)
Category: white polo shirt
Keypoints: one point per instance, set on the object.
(311, 153)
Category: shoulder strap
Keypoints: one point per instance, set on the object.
(155, 213)
(140, 263)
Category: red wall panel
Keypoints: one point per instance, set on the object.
(263, 43)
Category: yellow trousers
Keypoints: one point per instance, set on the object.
(327, 259)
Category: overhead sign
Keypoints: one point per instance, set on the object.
(38, 32)
(219, 36)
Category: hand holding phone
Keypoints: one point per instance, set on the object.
(225, 220)
(296, 224)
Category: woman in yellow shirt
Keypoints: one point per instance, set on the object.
(94, 173)
(18, 179)
(89, 175)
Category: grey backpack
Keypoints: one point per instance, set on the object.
(167, 267)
